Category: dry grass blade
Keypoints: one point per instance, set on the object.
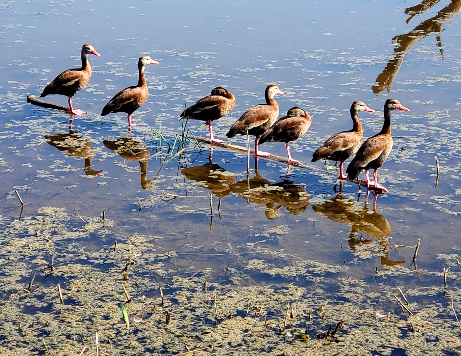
(404, 298)
(454, 312)
(61, 300)
(97, 343)
(403, 305)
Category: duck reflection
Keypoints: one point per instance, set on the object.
(214, 178)
(274, 196)
(73, 144)
(132, 150)
(360, 218)
(406, 41)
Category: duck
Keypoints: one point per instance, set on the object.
(374, 151)
(256, 120)
(345, 144)
(288, 128)
(70, 81)
(130, 99)
(212, 107)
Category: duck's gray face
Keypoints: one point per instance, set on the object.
(273, 91)
(144, 60)
(361, 106)
(87, 49)
(394, 104)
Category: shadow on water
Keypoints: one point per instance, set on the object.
(404, 42)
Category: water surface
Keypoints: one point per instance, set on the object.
(188, 215)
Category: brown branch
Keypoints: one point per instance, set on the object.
(276, 158)
(244, 149)
(32, 100)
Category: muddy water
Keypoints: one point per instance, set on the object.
(199, 208)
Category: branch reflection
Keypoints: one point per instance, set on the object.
(404, 42)
(275, 196)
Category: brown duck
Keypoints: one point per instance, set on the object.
(343, 145)
(130, 99)
(69, 82)
(256, 120)
(210, 108)
(289, 128)
(374, 151)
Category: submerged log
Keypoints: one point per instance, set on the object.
(33, 100)
(245, 149)
(280, 159)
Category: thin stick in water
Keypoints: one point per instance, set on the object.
(416, 250)
(403, 305)
(437, 168)
(456, 316)
(401, 293)
(445, 270)
(61, 300)
(127, 296)
(30, 283)
(19, 197)
(215, 308)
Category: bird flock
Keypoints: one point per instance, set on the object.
(259, 121)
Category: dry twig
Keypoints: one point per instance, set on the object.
(403, 305)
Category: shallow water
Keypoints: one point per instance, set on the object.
(199, 215)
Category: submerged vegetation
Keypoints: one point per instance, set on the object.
(130, 301)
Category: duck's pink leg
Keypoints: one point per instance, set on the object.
(260, 153)
(341, 173)
(210, 129)
(369, 184)
(376, 184)
(290, 160)
(129, 121)
(77, 112)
